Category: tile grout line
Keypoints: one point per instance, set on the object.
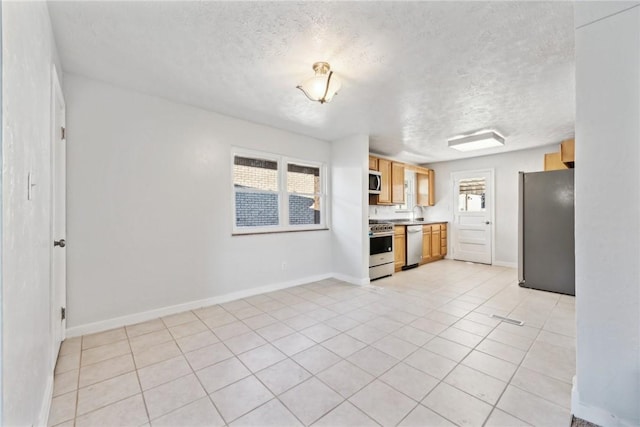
(135, 365)
(519, 365)
(287, 357)
(193, 371)
(290, 357)
(166, 327)
(440, 381)
(460, 362)
(108, 379)
(370, 345)
(377, 313)
(75, 415)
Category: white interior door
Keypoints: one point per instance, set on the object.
(473, 216)
(58, 216)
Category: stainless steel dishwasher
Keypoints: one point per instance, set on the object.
(414, 245)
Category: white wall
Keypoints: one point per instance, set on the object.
(149, 206)
(1, 161)
(349, 180)
(607, 386)
(506, 167)
(28, 53)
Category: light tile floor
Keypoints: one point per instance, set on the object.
(416, 349)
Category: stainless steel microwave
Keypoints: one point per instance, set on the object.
(375, 182)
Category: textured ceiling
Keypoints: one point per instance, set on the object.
(414, 73)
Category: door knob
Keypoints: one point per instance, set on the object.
(62, 243)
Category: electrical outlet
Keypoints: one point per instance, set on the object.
(284, 265)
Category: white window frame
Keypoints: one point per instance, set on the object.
(283, 194)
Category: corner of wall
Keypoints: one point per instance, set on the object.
(144, 316)
(349, 205)
(27, 365)
(1, 216)
(593, 414)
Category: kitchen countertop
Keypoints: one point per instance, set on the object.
(413, 222)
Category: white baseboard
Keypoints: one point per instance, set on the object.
(353, 280)
(43, 416)
(505, 264)
(594, 414)
(132, 319)
(496, 263)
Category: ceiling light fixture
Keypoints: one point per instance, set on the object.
(477, 141)
(323, 86)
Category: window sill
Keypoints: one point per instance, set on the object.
(253, 233)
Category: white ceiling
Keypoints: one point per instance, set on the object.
(414, 73)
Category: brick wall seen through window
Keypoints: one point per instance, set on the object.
(257, 187)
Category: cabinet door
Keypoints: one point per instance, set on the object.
(373, 163)
(384, 167)
(397, 187)
(443, 239)
(422, 189)
(432, 187)
(553, 161)
(436, 244)
(426, 243)
(568, 151)
(399, 251)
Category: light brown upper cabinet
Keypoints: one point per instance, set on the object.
(397, 183)
(384, 167)
(568, 151)
(392, 183)
(425, 180)
(373, 163)
(432, 187)
(553, 161)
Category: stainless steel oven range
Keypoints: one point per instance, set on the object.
(381, 261)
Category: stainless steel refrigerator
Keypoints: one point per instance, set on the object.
(546, 255)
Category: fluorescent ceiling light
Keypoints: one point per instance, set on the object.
(477, 141)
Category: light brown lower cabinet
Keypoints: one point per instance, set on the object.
(443, 239)
(426, 244)
(434, 242)
(399, 247)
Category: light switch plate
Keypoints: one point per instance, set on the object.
(30, 185)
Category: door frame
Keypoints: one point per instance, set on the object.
(492, 203)
(54, 305)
